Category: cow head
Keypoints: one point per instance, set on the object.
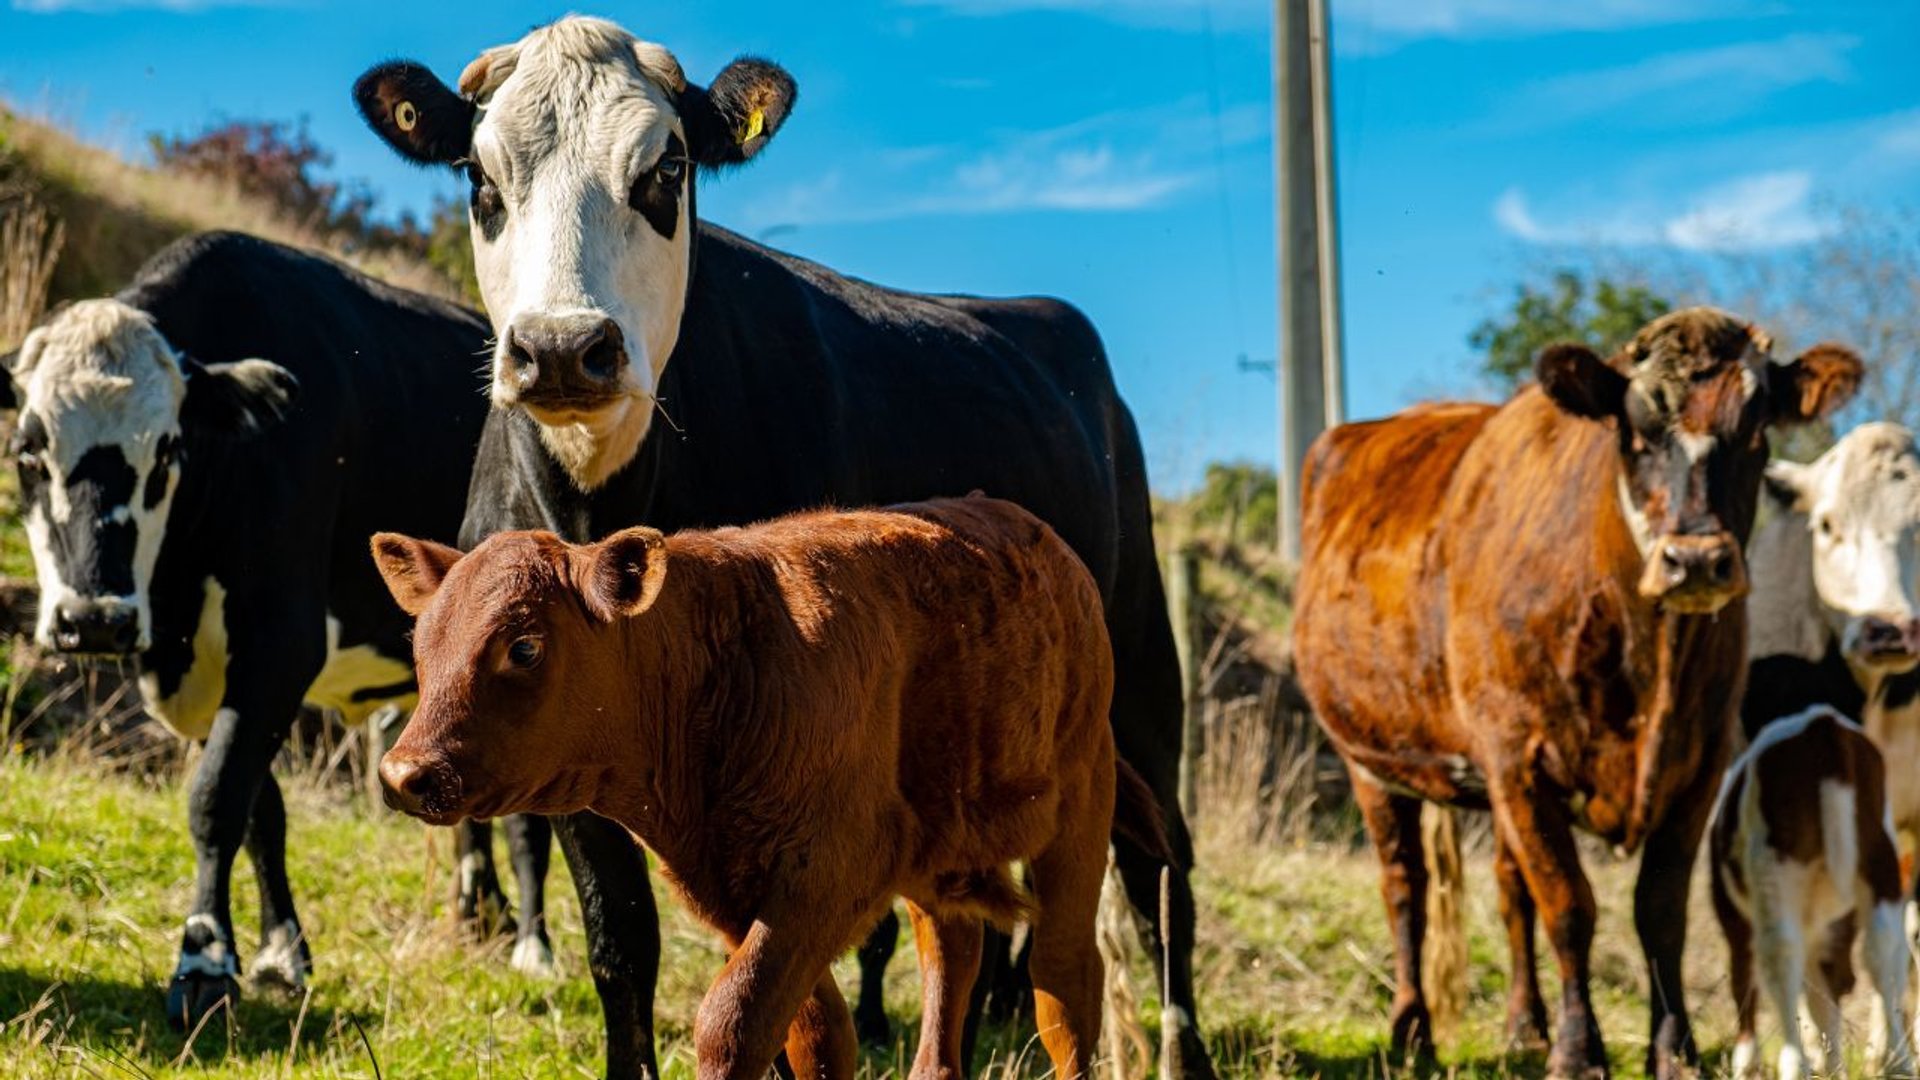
(515, 669)
(1860, 503)
(579, 142)
(1690, 399)
(105, 406)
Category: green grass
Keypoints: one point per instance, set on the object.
(1293, 963)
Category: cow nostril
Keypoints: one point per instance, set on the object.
(1722, 568)
(605, 351)
(1674, 563)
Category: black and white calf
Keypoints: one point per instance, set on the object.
(783, 385)
(201, 461)
(1803, 860)
(1834, 618)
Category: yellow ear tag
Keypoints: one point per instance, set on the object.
(756, 123)
(405, 116)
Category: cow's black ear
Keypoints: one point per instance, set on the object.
(415, 113)
(237, 400)
(9, 398)
(1579, 382)
(728, 122)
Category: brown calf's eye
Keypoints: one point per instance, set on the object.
(525, 652)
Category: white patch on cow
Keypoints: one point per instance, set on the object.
(572, 115)
(1637, 523)
(355, 669)
(191, 708)
(532, 957)
(99, 374)
(1750, 379)
(472, 865)
(1694, 447)
(280, 961)
(216, 958)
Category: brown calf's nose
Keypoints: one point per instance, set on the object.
(564, 355)
(409, 786)
(1695, 573)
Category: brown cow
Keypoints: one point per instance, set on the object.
(802, 719)
(1803, 855)
(1536, 608)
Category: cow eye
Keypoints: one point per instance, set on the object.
(485, 202)
(525, 652)
(1826, 526)
(671, 170)
(30, 463)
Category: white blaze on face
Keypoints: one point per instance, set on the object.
(100, 394)
(1860, 505)
(572, 117)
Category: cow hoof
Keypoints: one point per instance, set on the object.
(533, 957)
(873, 1027)
(192, 996)
(1575, 1066)
(282, 964)
(1412, 1030)
(1185, 1051)
(1526, 1031)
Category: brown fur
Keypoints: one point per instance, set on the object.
(1473, 628)
(802, 719)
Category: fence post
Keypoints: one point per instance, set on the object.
(1182, 572)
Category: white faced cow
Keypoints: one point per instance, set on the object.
(788, 385)
(1834, 613)
(205, 512)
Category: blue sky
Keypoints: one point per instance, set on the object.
(1118, 152)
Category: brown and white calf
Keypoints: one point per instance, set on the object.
(1803, 854)
(803, 719)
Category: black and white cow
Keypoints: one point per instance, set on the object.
(779, 385)
(1835, 614)
(201, 461)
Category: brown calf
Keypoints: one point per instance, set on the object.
(802, 719)
(1536, 609)
(1802, 854)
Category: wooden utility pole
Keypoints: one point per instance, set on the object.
(1312, 388)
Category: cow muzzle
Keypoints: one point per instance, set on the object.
(420, 786)
(102, 626)
(562, 364)
(1885, 642)
(1695, 575)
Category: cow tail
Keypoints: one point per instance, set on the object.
(1444, 959)
(1137, 818)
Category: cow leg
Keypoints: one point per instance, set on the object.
(1536, 826)
(1888, 964)
(870, 1014)
(283, 960)
(1660, 897)
(530, 846)
(1393, 822)
(247, 732)
(1526, 1009)
(949, 951)
(1835, 979)
(1739, 934)
(1068, 973)
(991, 994)
(479, 901)
(1147, 732)
(623, 936)
(777, 987)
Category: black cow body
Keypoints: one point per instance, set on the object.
(792, 387)
(268, 537)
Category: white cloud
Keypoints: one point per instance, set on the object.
(1162, 13)
(1715, 81)
(106, 7)
(1111, 163)
(1748, 213)
(1487, 18)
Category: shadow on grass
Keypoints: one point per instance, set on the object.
(122, 1021)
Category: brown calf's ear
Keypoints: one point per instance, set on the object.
(622, 574)
(1579, 382)
(728, 122)
(413, 569)
(415, 113)
(1815, 385)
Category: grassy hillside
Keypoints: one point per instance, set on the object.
(116, 213)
